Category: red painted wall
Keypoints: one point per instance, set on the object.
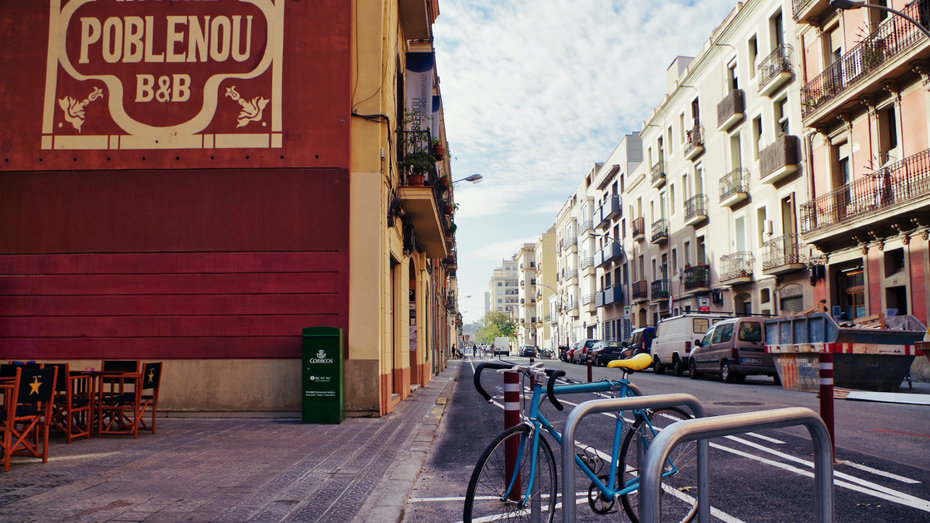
(171, 264)
(167, 199)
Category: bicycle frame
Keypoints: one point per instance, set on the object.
(538, 421)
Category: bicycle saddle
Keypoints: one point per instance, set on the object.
(638, 362)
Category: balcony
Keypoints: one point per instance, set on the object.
(782, 254)
(569, 244)
(737, 267)
(660, 290)
(587, 265)
(639, 229)
(613, 251)
(660, 231)
(886, 54)
(658, 174)
(697, 278)
(734, 187)
(696, 209)
(416, 19)
(809, 11)
(613, 295)
(572, 276)
(599, 299)
(695, 142)
(639, 291)
(586, 225)
(730, 110)
(608, 211)
(779, 159)
(587, 303)
(774, 70)
(573, 310)
(522, 284)
(876, 202)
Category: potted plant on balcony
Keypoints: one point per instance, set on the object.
(416, 165)
(439, 152)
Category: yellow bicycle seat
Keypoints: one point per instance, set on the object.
(638, 362)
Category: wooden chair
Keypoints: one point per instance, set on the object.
(124, 401)
(27, 413)
(72, 413)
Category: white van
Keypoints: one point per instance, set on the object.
(675, 337)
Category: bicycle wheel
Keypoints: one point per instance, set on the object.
(486, 498)
(679, 490)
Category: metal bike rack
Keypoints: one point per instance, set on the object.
(613, 405)
(702, 429)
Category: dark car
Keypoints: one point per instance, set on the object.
(640, 340)
(528, 351)
(605, 352)
(580, 356)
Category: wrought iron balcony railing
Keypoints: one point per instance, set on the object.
(660, 231)
(773, 65)
(734, 182)
(415, 158)
(639, 226)
(899, 183)
(660, 289)
(797, 6)
(894, 36)
(658, 173)
(639, 290)
(783, 250)
(696, 207)
(736, 265)
(695, 140)
(696, 277)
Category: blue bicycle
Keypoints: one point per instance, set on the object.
(516, 480)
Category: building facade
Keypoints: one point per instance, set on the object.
(184, 191)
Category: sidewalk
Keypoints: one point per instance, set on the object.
(235, 470)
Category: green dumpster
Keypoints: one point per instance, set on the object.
(323, 397)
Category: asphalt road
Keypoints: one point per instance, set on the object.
(883, 452)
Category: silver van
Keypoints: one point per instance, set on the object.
(733, 348)
(674, 339)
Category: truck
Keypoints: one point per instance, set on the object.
(501, 346)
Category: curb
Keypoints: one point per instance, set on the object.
(389, 502)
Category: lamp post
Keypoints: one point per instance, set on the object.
(475, 178)
(856, 4)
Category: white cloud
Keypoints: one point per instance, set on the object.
(536, 91)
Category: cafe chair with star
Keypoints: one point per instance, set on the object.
(72, 414)
(124, 409)
(27, 413)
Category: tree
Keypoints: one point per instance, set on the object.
(495, 324)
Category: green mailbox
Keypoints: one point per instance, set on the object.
(323, 391)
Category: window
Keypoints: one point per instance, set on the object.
(853, 284)
(699, 325)
(887, 137)
(736, 157)
(750, 331)
(732, 76)
(681, 128)
(781, 114)
(674, 261)
(778, 30)
(687, 250)
(669, 134)
(753, 56)
(756, 136)
(723, 333)
(671, 199)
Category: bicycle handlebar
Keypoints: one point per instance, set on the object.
(549, 392)
(479, 369)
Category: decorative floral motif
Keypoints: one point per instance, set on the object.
(251, 111)
(74, 110)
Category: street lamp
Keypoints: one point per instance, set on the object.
(856, 4)
(475, 178)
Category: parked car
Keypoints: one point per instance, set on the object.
(563, 352)
(580, 356)
(733, 348)
(674, 338)
(570, 353)
(605, 352)
(640, 340)
(528, 351)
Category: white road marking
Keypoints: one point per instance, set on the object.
(765, 438)
(877, 472)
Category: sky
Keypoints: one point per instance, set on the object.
(535, 92)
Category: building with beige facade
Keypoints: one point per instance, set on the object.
(544, 252)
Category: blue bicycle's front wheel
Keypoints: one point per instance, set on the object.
(679, 482)
(503, 488)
